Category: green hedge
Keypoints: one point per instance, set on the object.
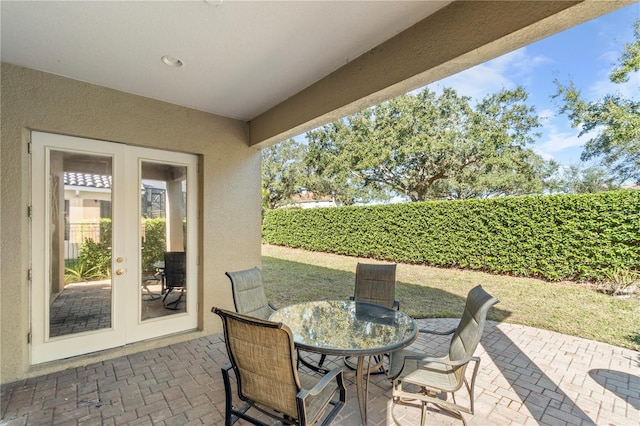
(558, 237)
(96, 256)
(153, 243)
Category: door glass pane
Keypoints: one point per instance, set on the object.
(163, 235)
(80, 296)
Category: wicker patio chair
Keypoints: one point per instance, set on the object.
(375, 283)
(430, 377)
(262, 357)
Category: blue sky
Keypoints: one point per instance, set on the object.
(585, 54)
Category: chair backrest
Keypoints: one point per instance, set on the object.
(249, 297)
(375, 283)
(175, 269)
(263, 356)
(467, 336)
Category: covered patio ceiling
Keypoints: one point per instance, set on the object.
(282, 66)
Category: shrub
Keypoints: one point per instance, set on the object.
(96, 256)
(552, 237)
(81, 272)
(619, 281)
(153, 243)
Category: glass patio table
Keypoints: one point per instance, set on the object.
(348, 328)
(159, 267)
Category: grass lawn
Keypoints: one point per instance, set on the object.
(293, 276)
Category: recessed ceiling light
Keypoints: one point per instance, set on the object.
(171, 61)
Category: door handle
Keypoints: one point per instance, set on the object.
(119, 271)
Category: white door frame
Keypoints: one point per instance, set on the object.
(137, 329)
(126, 325)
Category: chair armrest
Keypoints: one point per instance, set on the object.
(397, 368)
(326, 379)
(443, 361)
(439, 333)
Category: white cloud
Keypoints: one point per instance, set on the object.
(494, 76)
(616, 37)
(610, 56)
(520, 65)
(602, 87)
(558, 140)
(546, 156)
(562, 145)
(546, 115)
(477, 82)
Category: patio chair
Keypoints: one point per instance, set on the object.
(261, 355)
(375, 283)
(430, 377)
(250, 299)
(150, 280)
(175, 276)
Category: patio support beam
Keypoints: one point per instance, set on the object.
(174, 207)
(457, 37)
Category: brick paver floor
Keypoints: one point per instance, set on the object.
(527, 376)
(87, 306)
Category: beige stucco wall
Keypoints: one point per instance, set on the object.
(229, 175)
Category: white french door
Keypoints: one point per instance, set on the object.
(103, 216)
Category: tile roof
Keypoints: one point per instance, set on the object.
(87, 179)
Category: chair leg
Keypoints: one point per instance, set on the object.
(453, 409)
(147, 280)
(322, 358)
(166, 294)
(228, 405)
(231, 415)
(317, 368)
(426, 396)
(150, 295)
(176, 302)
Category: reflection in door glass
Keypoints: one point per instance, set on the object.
(80, 296)
(163, 235)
